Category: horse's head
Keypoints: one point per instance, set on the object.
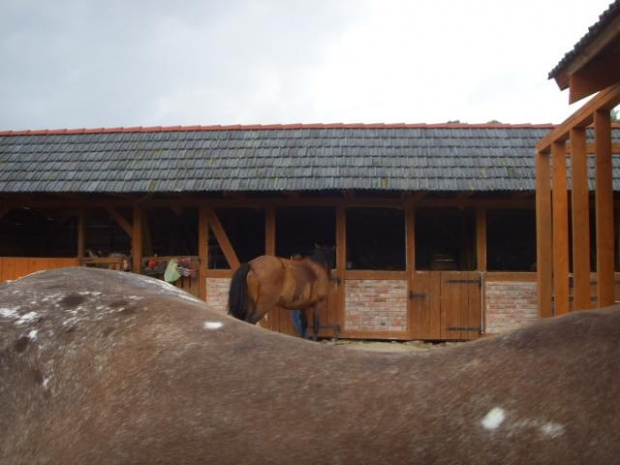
(324, 256)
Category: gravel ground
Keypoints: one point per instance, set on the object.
(390, 346)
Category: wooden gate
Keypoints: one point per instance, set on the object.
(445, 305)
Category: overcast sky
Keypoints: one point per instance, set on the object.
(108, 63)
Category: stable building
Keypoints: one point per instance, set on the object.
(434, 226)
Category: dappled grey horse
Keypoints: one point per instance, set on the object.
(103, 367)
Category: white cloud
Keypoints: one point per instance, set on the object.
(73, 63)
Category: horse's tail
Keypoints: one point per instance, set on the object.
(238, 294)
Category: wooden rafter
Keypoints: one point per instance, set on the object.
(222, 239)
(120, 220)
(604, 100)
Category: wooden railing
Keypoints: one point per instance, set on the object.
(553, 208)
(12, 268)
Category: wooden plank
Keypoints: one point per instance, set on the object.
(222, 239)
(375, 274)
(605, 100)
(481, 239)
(136, 240)
(425, 317)
(451, 305)
(474, 306)
(120, 220)
(543, 235)
(580, 220)
(203, 252)
(560, 231)
(604, 201)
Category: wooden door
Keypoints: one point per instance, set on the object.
(445, 305)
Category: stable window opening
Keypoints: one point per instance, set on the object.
(299, 229)
(376, 239)
(245, 228)
(511, 240)
(445, 239)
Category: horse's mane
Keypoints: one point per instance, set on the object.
(321, 256)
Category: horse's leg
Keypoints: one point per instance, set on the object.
(315, 322)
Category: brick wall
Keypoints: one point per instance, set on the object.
(375, 305)
(510, 305)
(217, 293)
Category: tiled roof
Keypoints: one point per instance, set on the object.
(271, 158)
(609, 15)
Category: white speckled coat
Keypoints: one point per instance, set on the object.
(102, 367)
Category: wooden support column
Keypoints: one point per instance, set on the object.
(270, 231)
(410, 266)
(81, 233)
(604, 210)
(560, 231)
(543, 235)
(136, 240)
(203, 252)
(580, 220)
(481, 239)
(341, 260)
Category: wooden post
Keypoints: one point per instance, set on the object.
(341, 260)
(410, 241)
(203, 252)
(543, 235)
(604, 210)
(580, 220)
(560, 230)
(270, 231)
(136, 240)
(81, 233)
(481, 239)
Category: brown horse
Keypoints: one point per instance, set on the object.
(269, 282)
(103, 367)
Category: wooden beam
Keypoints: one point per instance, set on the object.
(81, 233)
(591, 148)
(136, 240)
(604, 202)
(203, 251)
(604, 100)
(600, 73)
(481, 239)
(222, 239)
(543, 235)
(560, 231)
(270, 231)
(580, 220)
(120, 220)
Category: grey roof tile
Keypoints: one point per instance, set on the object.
(396, 158)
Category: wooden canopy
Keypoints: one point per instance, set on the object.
(594, 62)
